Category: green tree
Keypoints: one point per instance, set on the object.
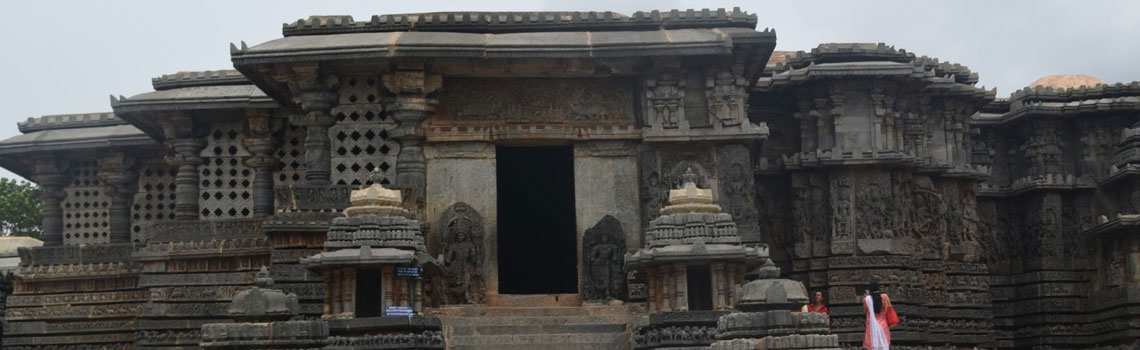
(21, 211)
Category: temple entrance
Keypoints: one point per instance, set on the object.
(537, 240)
(368, 293)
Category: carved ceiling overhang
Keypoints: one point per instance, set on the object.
(747, 46)
(1122, 223)
(185, 92)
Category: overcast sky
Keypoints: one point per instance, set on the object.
(62, 57)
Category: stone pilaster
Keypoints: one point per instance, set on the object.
(181, 137)
(315, 93)
(52, 177)
(262, 159)
(411, 106)
(117, 171)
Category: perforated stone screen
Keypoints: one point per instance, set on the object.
(225, 180)
(361, 143)
(291, 155)
(86, 209)
(154, 200)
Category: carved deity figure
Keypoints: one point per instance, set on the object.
(603, 248)
(462, 254)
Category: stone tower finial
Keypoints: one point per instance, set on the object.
(690, 198)
(263, 280)
(688, 177)
(375, 200)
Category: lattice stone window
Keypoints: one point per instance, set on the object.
(154, 200)
(225, 189)
(291, 155)
(360, 139)
(86, 209)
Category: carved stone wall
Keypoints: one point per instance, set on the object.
(537, 100)
(726, 169)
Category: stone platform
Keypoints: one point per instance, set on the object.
(549, 328)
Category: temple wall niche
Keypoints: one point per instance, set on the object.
(464, 172)
(854, 128)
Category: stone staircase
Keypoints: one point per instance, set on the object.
(541, 328)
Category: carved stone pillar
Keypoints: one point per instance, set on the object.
(186, 144)
(720, 287)
(418, 296)
(349, 289)
(330, 291)
(315, 93)
(652, 277)
(681, 275)
(51, 176)
(387, 275)
(411, 107)
(118, 173)
(263, 161)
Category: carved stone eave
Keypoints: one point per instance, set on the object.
(359, 257)
(1071, 109)
(746, 131)
(1048, 182)
(41, 273)
(697, 253)
(1117, 174)
(203, 249)
(1121, 224)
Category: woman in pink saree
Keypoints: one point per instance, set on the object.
(877, 335)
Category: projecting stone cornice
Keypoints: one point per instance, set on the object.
(551, 45)
(515, 22)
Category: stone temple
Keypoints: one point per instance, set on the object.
(579, 180)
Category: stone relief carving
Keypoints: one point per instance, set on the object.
(536, 100)
(461, 229)
(666, 101)
(603, 252)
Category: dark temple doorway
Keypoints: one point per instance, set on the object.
(368, 293)
(537, 240)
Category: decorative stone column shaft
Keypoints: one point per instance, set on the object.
(263, 161)
(315, 92)
(117, 171)
(52, 178)
(181, 137)
(411, 107)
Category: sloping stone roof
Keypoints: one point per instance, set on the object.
(69, 121)
(200, 78)
(521, 22)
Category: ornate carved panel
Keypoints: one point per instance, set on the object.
(537, 100)
(603, 259)
(461, 229)
(154, 200)
(225, 180)
(86, 208)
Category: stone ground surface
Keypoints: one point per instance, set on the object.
(548, 328)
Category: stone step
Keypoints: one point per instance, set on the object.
(536, 320)
(537, 329)
(555, 346)
(482, 311)
(540, 341)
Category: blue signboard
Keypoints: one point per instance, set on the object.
(404, 311)
(409, 271)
